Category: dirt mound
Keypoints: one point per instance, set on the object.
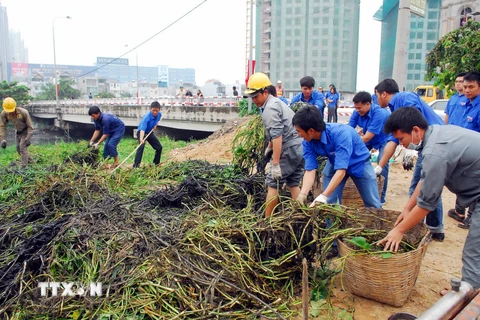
(217, 148)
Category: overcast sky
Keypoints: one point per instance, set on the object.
(211, 39)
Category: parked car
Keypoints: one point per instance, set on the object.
(439, 106)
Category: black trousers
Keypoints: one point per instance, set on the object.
(156, 145)
(331, 115)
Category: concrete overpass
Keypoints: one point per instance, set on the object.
(208, 115)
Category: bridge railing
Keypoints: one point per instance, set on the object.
(164, 101)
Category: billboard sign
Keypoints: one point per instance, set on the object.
(163, 76)
(119, 61)
(418, 7)
(19, 71)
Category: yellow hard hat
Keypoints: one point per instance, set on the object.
(257, 82)
(9, 104)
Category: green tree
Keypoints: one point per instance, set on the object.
(66, 91)
(125, 94)
(458, 51)
(105, 95)
(15, 91)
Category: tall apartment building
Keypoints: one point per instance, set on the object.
(319, 38)
(456, 12)
(4, 42)
(424, 34)
(18, 52)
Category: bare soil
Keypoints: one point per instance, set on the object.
(442, 260)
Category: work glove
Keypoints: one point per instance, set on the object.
(90, 143)
(276, 171)
(4, 144)
(302, 197)
(95, 146)
(408, 160)
(268, 151)
(378, 170)
(319, 200)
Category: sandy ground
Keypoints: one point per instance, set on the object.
(442, 260)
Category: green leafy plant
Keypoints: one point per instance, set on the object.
(458, 51)
(243, 108)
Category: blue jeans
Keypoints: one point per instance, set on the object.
(322, 110)
(434, 219)
(384, 172)
(111, 143)
(366, 185)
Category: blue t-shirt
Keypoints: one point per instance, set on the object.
(108, 123)
(411, 99)
(148, 122)
(334, 97)
(343, 147)
(464, 113)
(457, 100)
(316, 99)
(374, 98)
(373, 122)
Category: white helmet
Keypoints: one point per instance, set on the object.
(279, 81)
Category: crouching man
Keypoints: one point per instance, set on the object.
(451, 158)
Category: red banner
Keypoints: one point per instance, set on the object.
(247, 76)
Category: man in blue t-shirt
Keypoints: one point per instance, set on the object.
(112, 130)
(453, 114)
(147, 127)
(309, 95)
(371, 118)
(347, 157)
(389, 96)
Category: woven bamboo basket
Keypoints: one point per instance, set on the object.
(386, 280)
(350, 197)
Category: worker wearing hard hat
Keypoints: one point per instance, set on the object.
(20, 118)
(279, 88)
(284, 144)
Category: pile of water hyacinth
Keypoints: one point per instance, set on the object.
(192, 244)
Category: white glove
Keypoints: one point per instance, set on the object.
(276, 171)
(302, 197)
(378, 170)
(320, 199)
(90, 143)
(268, 151)
(95, 146)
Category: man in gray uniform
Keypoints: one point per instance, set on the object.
(20, 118)
(283, 141)
(451, 157)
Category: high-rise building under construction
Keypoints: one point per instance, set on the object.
(318, 38)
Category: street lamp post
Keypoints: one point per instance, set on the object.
(55, 63)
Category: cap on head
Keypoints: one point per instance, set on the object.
(9, 104)
(256, 83)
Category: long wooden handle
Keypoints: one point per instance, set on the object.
(139, 144)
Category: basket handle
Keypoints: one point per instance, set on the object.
(426, 239)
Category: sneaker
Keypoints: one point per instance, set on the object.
(438, 236)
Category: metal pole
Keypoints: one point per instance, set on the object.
(136, 55)
(401, 44)
(55, 67)
(250, 62)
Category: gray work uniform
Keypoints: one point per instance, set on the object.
(451, 157)
(22, 122)
(277, 121)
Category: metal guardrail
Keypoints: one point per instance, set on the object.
(164, 101)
